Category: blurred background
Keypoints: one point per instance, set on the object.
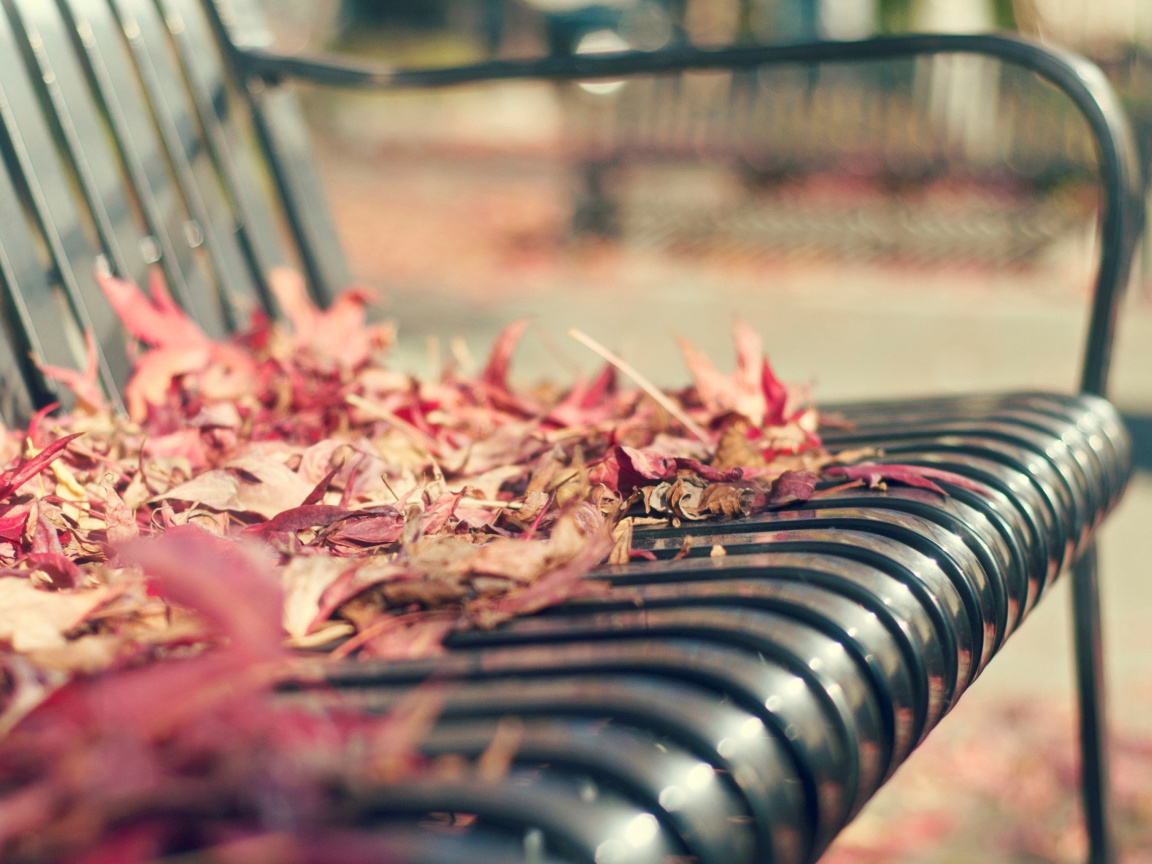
(911, 227)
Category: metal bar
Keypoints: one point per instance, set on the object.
(1094, 761)
(60, 221)
(1079, 79)
(124, 106)
(283, 137)
(205, 75)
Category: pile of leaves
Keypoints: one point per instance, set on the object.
(287, 490)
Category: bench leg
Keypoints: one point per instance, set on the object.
(1094, 776)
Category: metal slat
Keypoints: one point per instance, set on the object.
(205, 72)
(78, 120)
(284, 137)
(696, 802)
(37, 315)
(124, 106)
(187, 152)
(892, 582)
(57, 211)
(669, 707)
(16, 402)
(746, 625)
(951, 556)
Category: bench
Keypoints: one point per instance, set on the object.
(730, 709)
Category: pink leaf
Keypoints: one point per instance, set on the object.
(86, 384)
(436, 518)
(157, 321)
(337, 333)
(14, 478)
(495, 372)
(372, 531)
(793, 486)
(911, 475)
(218, 578)
(63, 572)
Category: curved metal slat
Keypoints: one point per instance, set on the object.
(697, 719)
(889, 579)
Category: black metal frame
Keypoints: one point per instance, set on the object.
(1120, 227)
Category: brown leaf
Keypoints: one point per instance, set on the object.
(735, 450)
(622, 543)
(245, 485)
(793, 486)
(33, 619)
(728, 499)
(304, 580)
(685, 498)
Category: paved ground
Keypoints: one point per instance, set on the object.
(461, 253)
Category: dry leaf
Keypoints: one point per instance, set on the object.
(34, 619)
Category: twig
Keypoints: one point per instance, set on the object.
(644, 384)
(485, 504)
(322, 637)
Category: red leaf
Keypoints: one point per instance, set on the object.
(910, 475)
(647, 463)
(707, 472)
(317, 493)
(495, 372)
(373, 531)
(793, 486)
(36, 420)
(218, 578)
(63, 571)
(439, 512)
(12, 527)
(775, 395)
(13, 479)
(299, 518)
(157, 321)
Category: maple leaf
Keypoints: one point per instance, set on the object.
(793, 486)
(156, 321)
(85, 385)
(751, 390)
(495, 373)
(247, 484)
(222, 579)
(14, 478)
(340, 332)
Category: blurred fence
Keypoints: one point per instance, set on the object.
(951, 158)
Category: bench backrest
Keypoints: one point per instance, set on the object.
(136, 132)
(128, 143)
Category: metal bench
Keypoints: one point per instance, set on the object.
(730, 709)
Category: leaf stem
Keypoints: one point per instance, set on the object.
(411, 432)
(643, 383)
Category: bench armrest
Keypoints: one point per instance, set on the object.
(1079, 79)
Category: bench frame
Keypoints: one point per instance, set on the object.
(260, 70)
(1120, 226)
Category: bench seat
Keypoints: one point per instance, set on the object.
(743, 707)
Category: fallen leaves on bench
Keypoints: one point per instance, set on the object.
(287, 489)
